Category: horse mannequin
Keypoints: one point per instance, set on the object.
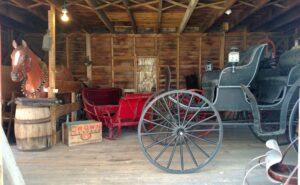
(29, 69)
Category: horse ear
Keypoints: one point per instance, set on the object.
(24, 44)
(14, 44)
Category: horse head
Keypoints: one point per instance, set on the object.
(20, 61)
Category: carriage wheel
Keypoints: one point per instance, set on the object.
(179, 146)
(294, 124)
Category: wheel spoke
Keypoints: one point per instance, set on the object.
(155, 133)
(190, 152)
(157, 124)
(203, 139)
(203, 130)
(164, 149)
(197, 146)
(195, 114)
(163, 98)
(163, 116)
(188, 108)
(172, 154)
(178, 110)
(181, 156)
(200, 122)
(157, 142)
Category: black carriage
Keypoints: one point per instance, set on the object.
(181, 131)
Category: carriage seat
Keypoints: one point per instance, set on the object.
(286, 73)
(244, 72)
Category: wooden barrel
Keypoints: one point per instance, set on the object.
(32, 128)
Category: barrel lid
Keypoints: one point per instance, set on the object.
(38, 102)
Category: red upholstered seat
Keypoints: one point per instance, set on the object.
(126, 113)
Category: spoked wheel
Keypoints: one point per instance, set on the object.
(176, 125)
(294, 124)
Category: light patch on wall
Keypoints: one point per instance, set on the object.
(146, 74)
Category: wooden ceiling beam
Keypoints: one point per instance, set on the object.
(262, 22)
(248, 4)
(145, 4)
(219, 14)
(101, 15)
(115, 4)
(177, 3)
(260, 4)
(191, 7)
(131, 16)
(159, 17)
(289, 17)
(23, 5)
(211, 5)
(12, 13)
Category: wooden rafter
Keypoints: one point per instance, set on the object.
(131, 16)
(159, 18)
(101, 15)
(260, 24)
(248, 4)
(115, 4)
(289, 17)
(191, 7)
(25, 22)
(260, 4)
(145, 4)
(227, 6)
(177, 3)
(214, 5)
(24, 5)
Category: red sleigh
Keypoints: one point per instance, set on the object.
(114, 116)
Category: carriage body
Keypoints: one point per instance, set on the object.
(176, 120)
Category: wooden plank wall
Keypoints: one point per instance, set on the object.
(115, 57)
(102, 60)
(77, 54)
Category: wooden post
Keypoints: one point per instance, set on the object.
(68, 52)
(222, 51)
(135, 65)
(177, 62)
(1, 161)
(74, 113)
(200, 59)
(112, 61)
(52, 57)
(89, 56)
(157, 62)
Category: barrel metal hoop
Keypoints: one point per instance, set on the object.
(35, 121)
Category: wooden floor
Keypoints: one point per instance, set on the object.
(122, 162)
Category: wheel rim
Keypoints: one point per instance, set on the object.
(180, 147)
(294, 124)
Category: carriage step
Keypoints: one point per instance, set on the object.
(273, 133)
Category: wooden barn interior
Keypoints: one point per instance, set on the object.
(138, 50)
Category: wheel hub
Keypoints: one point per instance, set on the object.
(180, 131)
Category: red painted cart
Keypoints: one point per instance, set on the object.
(126, 113)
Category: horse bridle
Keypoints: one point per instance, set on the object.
(44, 77)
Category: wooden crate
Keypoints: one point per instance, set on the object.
(82, 132)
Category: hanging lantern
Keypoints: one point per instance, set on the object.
(46, 41)
(234, 57)
(208, 66)
(64, 17)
